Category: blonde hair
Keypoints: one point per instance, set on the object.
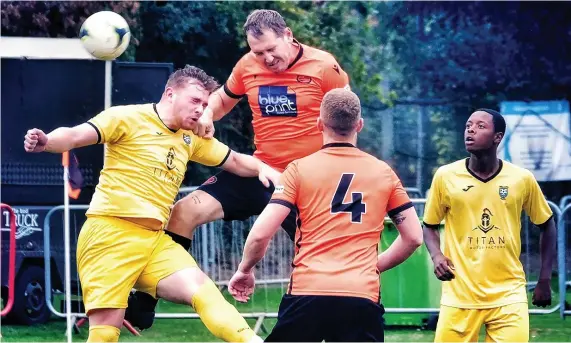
(181, 78)
(341, 111)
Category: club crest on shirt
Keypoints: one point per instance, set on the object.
(503, 191)
(210, 180)
(186, 138)
(303, 79)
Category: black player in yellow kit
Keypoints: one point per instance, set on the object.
(481, 199)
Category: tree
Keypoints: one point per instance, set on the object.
(211, 37)
(458, 56)
(467, 55)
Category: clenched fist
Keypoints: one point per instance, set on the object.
(204, 127)
(542, 294)
(35, 140)
(443, 268)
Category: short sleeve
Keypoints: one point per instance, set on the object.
(209, 152)
(287, 191)
(234, 86)
(435, 208)
(334, 77)
(535, 204)
(111, 125)
(399, 199)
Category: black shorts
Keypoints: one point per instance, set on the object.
(243, 197)
(314, 318)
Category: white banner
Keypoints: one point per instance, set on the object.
(538, 138)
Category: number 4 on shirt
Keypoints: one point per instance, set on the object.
(356, 207)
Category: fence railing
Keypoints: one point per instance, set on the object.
(11, 260)
(561, 259)
(217, 248)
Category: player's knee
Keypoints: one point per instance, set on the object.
(103, 333)
(191, 210)
(197, 210)
(181, 286)
(107, 316)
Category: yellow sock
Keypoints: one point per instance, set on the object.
(103, 333)
(219, 316)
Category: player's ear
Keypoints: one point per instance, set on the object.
(288, 35)
(498, 137)
(319, 124)
(360, 124)
(169, 93)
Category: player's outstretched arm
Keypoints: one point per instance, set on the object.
(61, 139)
(241, 285)
(409, 239)
(547, 246)
(220, 104)
(263, 230)
(443, 267)
(249, 166)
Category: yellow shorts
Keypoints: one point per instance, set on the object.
(508, 323)
(115, 256)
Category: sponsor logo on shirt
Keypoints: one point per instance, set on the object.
(275, 101)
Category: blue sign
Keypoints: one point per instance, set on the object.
(538, 138)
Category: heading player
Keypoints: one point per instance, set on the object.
(343, 195)
(122, 243)
(481, 199)
(284, 82)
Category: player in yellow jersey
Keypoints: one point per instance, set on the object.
(122, 244)
(481, 199)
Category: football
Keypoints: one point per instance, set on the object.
(105, 35)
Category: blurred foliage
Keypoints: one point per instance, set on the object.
(451, 56)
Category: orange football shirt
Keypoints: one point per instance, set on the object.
(343, 195)
(285, 106)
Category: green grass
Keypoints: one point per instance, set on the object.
(543, 328)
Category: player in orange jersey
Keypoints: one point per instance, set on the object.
(342, 195)
(284, 82)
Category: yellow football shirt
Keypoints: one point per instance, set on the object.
(145, 162)
(482, 231)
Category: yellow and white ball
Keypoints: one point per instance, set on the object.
(105, 35)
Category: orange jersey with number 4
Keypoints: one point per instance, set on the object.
(285, 106)
(343, 195)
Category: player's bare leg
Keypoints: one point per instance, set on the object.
(188, 213)
(193, 210)
(194, 288)
(105, 324)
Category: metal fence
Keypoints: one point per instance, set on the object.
(415, 136)
(217, 248)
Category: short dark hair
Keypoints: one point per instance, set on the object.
(259, 20)
(497, 119)
(182, 76)
(340, 111)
